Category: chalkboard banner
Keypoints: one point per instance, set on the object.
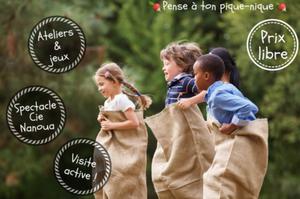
(56, 44)
(36, 115)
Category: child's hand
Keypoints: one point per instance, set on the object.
(228, 128)
(107, 125)
(184, 103)
(101, 118)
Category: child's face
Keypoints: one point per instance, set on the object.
(170, 69)
(202, 79)
(105, 86)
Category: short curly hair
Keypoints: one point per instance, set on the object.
(184, 54)
(212, 64)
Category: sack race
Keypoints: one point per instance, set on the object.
(127, 150)
(184, 152)
(240, 162)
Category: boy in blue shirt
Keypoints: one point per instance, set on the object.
(226, 104)
(241, 146)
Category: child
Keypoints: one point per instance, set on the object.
(240, 161)
(184, 147)
(178, 60)
(225, 102)
(231, 75)
(123, 134)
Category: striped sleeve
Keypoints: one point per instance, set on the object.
(190, 85)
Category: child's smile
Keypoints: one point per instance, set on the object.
(105, 87)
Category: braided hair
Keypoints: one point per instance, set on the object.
(113, 72)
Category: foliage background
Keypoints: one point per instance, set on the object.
(132, 34)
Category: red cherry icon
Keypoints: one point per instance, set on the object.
(156, 7)
(282, 7)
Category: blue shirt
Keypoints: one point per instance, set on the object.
(228, 105)
(182, 86)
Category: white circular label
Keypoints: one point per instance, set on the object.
(82, 166)
(36, 115)
(272, 44)
(56, 44)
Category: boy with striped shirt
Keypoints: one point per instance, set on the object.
(178, 60)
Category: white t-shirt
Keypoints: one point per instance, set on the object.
(119, 103)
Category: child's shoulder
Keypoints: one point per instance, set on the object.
(186, 78)
(221, 87)
(122, 97)
(118, 98)
(121, 102)
(227, 88)
(181, 79)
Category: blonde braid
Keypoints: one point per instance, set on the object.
(113, 72)
(145, 101)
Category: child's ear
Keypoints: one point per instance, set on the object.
(206, 75)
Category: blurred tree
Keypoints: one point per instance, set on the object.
(138, 34)
(24, 167)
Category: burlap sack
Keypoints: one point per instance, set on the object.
(240, 162)
(127, 150)
(184, 152)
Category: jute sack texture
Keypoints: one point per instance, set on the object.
(127, 150)
(184, 152)
(240, 162)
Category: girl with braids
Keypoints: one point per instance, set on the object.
(123, 134)
(109, 79)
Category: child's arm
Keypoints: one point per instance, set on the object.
(243, 110)
(187, 102)
(132, 122)
(228, 128)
